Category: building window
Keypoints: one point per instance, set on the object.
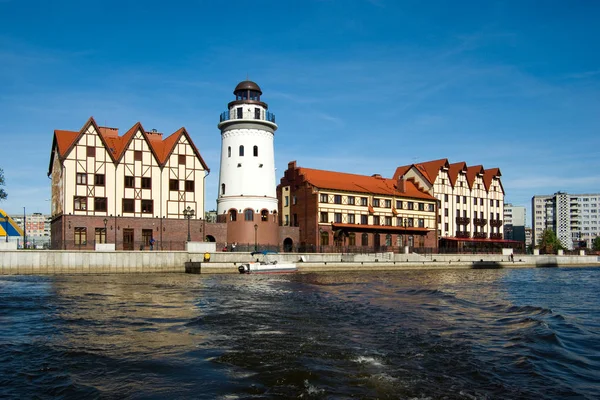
(264, 215)
(351, 218)
(248, 215)
(464, 199)
(388, 203)
(286, 200)
(80, 236)
(91, 151)
(146, 183)
(497, 203)
(458, 199)
(491, 203)
(324, 239)
(411, 205)
(323, 217)
(146, 236)
(100, 203)
(222, 188)
(337, 199)
(239, 112)
(399, 204)
(80, 203)
(81, 178)
(255, 151)
(431, 207)
(398, 221)
(295, 219)
(229, 151)
(446, 212)
(232, 215)
(411, 222)
(376, 220)
(364, 219)
(337, 218)
(388, 221)
(364, 201)
(421, 206)
(481, 201)
(189, 186)
(352, 239)
(129, 182)
(173, 185)
(446, 227)
(181, 159)
(242, 151)
(351, 200)
(375, 202)
(286, 220)
(474, 201)
(388, 240)
(421, 223)
(100, 235)
(365, 239)
(99, 179)
(128, 205)
(137, 155)
(147, 206)
(323, 198)
(256, 113)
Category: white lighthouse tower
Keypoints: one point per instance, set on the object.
(247, 198)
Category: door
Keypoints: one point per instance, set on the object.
(376, 241)
(127, 239)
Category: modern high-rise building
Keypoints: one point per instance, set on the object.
(575, 218)
(514, 222)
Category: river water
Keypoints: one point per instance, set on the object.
(431, 334)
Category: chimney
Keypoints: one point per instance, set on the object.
(292, 165)
(401, 184)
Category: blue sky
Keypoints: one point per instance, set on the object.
(357, 86)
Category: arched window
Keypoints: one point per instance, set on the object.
(365, 239)
(352, 239)
(232, 215)
(388, 240)
(242, 151)
(229, 151)
(249, 215)
(222, 188)
(255, 151)
(264, 215)
(324, 239)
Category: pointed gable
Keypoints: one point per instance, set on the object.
(488, 177)
(454, 170)
(429, 169)
(472, 173)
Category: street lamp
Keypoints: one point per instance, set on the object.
(188, 213)
(105, 222)
(255, 237)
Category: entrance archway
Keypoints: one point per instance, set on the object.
(288, 245)
(210, 238)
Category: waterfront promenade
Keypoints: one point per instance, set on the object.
(49, 262)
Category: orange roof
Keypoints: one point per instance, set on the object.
(360, 183)
(472, 173)
(489, 175)
(454, 169)
(429, 169)
(116, 145)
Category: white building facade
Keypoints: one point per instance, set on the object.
(514, 222)
(574, 218)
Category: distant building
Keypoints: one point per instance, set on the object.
(125, 189)
(336, 210)
(574, 218)
(528, 236)
(514, 222)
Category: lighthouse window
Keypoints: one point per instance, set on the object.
(255, 151)
(257, 113)
(232, 215)
(239, 112)
(242, 151)
(222, 188)
(264, 215)
(229, 151)
(249, 215)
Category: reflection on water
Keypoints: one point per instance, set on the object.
(452, 334)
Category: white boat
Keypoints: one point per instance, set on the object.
(266, 266)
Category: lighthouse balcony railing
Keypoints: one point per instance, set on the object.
(255, 115)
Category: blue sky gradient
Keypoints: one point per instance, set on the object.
(357, 86)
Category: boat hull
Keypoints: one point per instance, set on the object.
(258, 268)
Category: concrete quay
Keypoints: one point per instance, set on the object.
(49, 262)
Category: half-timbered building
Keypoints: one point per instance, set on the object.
(125, 189)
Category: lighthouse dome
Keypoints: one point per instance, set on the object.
(247, 85)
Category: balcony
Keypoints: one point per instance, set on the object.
(480, 235)
(463, 234)
(495, 236)
(479, 221)
(257, 114)
(496, 222)
(463, 220)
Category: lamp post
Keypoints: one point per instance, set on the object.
(24, 229)
(105, 233)
(188, 213)
(255, 237)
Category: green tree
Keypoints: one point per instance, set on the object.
(596, 244)
(3, 194)
(549, 243)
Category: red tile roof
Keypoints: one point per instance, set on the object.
(454, 170)
(116, 145)
(360, 183)
(472, 173)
